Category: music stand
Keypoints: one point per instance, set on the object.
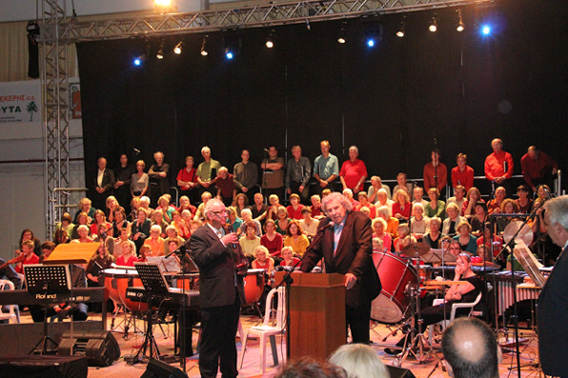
(154, 283)
(45, 282)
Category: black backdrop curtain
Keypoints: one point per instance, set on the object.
(456, 90)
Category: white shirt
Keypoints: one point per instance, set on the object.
(100, 178)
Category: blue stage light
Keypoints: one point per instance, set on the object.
(229, 55)
(371, 42)
(486, 29)
(137, 62)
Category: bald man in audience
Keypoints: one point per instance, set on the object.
(470, 349)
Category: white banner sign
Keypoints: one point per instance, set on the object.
(20, 102)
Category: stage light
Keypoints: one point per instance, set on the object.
(162, 3)
(138, 60)
(400, 32)
(342, 33)
(204, 45)
(270, 39)
(177, 49)
(232, 44)
(160, 54)
(486, 29)
(461, 25)
(373, 34)
(433, 25)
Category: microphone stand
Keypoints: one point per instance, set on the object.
(511, 246)
(264, 179)
(288, 281)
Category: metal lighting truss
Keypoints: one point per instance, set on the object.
(55, 97)
(246, 17)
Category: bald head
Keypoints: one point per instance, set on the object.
(470, 348)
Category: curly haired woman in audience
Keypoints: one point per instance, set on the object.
(402, 207)
(473, 196)
(111, 205)
(85, 207)
(296, 239)
(379, 231)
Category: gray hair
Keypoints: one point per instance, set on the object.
(247, 211)
(359, 360)
(336, 196)
(156, 228)
(354, 148)
(558, 210)
(205, 148)
(212, 202)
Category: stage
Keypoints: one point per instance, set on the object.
(251, 368)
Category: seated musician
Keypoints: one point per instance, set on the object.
(46, 249)
(29, 256)
(8, 273)
(288, 259)
(101, 260)
(127, 258)
(79, 311)
(262, 260)
(458, 293)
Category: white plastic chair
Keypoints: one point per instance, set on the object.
(13, 310)
(265, 330)
(455, 306)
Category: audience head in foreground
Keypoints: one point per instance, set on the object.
(308, 367)
(359, 361)
(470, 349)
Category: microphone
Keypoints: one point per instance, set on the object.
(548, 195)
(136, 150)
(265, 149)
(327, 225)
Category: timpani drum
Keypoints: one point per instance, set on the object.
(116, 283)
(254, 285)
(395, 274)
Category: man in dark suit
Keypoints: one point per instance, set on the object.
(346, 248)
(219, 258)
(104, 182)
(553, 300)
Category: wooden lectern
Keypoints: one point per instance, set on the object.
(317, 314)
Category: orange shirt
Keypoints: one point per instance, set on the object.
(157, 246)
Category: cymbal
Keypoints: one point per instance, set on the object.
(416, 249)
(525, 234)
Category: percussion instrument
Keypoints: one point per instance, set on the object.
(395, 274)
(117, 281)
(254, 285)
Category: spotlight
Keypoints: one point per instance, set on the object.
(343, 33)
(486, 29)
(232, 43)
(139, 60)
(461, 25)
(400, 32)
(204, 45)
(433, 25)
(308, 24)
(162, 3)
(373, 34)
(163, 6)
(160, 54)
(177, 49)
(270, 39)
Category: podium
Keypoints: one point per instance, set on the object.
(317, 314)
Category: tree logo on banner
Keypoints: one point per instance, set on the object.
(31, 108)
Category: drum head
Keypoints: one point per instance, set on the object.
(385, 310)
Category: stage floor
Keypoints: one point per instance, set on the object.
(251, 368)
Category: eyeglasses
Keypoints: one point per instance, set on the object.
(218, 213)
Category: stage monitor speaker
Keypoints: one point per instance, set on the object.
(100, 347)
(397, 372)
(43, 367)
(159, 369)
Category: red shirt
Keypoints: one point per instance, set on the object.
(316, 212)
(294, 262)
(429, 180)
(186, 176)
(464, 178)
(496, 163)
(537, 169)
(396, 209)
(295, 214)
(371, 207)
(34, 259)
(352, 171)
(120, 261)
(274, 246)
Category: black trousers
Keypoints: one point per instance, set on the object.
(358, 319)
(304, 194)
(218, 347)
